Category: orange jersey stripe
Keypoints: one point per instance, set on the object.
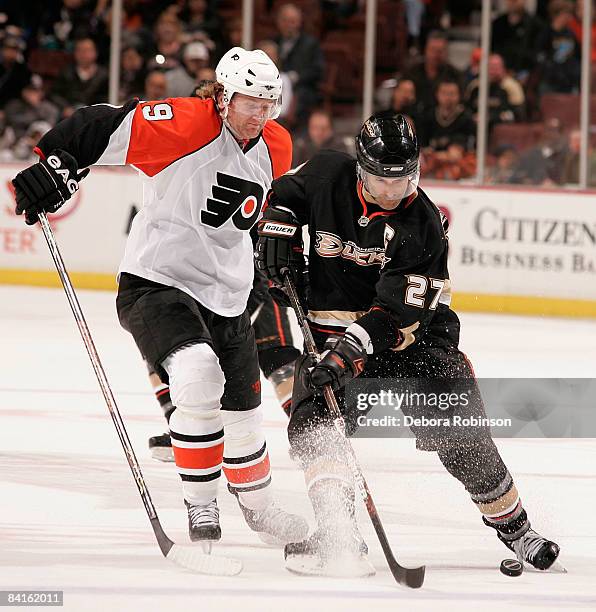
(184, 125)
(279, 144)
(280, 329)
(198, 458)
(248, 474)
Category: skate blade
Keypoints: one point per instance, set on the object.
(556, 568)
(207, 546)
(344, 567)
(163, 454)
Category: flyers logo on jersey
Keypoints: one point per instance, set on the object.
(235, 198)
(330, 245)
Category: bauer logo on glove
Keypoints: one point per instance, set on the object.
(271, 228)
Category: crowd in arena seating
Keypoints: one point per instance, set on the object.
(54, 58)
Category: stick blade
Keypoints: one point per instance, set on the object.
(193, 559)
(411, 577)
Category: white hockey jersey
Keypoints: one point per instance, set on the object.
(201, 191)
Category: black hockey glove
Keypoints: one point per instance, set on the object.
(47, 184)
(279, 247)
(339, 364)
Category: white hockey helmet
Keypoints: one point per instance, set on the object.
(251, 73)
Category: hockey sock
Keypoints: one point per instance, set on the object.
(198, 444)
(246, 460)
(331, 491)
(162, 394)
(479, 467)
(502, 509)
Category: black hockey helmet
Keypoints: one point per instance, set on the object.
(387, 145)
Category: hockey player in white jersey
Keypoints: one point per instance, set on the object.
(184, 281)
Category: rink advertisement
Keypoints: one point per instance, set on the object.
(515, 250)
(91, 231)
(524, 251)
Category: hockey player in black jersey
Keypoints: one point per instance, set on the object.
(378, 305)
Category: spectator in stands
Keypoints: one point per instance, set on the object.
(30, 107)
(22, 150)
(570, 175)
(447, 132)
(320, 135)
(575, 25)
(182, 80)
(156, 86)
(414, 13)
(288, 102)
(449, 122)
(132, 73)
(403, 99)
(432, 69)
(335, 13)
(82, 83)
(453, 164)
(473, 70)
(135, 32)
(301, 58)
(201, 23)
(167, 53)
(233, 35)
(516, 38)
(544, 163)
(14, 74)
(505, 166)
(506, 99)
(560, 54)
(206, 74)
(63, 23)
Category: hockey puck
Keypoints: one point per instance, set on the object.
(511, 567)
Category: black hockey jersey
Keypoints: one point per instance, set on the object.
(385, 269)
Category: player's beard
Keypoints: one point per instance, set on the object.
(386, 203)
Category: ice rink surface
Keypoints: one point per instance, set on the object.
(71, 518)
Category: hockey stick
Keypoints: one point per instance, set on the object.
(412, 577)
(185, 556)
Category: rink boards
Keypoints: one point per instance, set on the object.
(527, 251)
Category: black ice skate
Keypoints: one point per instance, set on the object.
(273, 524)
(160, 448)
(203, 523)
(334, 552)
(531, 548)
